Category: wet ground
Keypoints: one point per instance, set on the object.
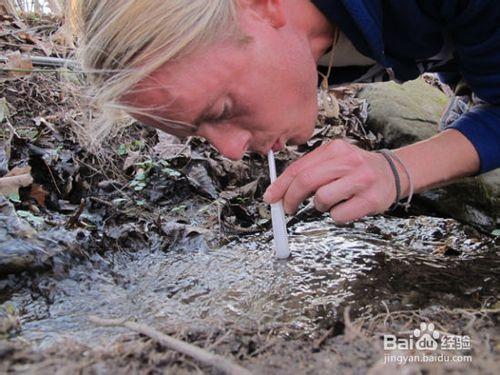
(373, 265)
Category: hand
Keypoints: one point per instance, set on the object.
(345, 180)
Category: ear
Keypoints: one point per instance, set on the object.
(271, 11)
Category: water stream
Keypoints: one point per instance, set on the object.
(374, 264)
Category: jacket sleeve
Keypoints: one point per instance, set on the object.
(474, 28)
(481, 126)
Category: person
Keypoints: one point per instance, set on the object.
(243, 75)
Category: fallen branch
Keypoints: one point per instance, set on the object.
(204, 357)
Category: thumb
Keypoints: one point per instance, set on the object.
(272, 194)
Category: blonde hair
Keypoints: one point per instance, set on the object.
(123, 41)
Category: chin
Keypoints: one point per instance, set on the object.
(301, 139)
(305, 135)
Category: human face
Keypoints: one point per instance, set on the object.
(241, 97)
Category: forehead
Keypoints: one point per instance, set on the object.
(180, 89)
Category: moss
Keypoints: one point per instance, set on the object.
(406, 113)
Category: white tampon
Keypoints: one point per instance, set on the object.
(278, 217)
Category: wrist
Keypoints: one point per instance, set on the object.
(403, 181)
(406, 175)
(438, 161)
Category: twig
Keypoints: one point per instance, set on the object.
(52, 177)
(102, 201)
(13, 32)
(12, 129)
(204, 357)
(317, 345)
(73, 220)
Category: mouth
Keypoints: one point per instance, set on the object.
(278, 146)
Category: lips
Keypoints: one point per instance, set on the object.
(278, 145)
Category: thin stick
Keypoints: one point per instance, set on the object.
(322, 339)
(204, 357)
(73, 220)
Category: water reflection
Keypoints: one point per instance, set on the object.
(375, 263)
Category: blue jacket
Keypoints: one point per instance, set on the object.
(409, 37)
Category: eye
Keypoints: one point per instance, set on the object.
(224, 115)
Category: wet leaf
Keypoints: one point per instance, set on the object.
(496, 232)
(185, 237)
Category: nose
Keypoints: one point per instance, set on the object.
(231, 142)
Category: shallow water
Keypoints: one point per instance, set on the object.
(377, 263)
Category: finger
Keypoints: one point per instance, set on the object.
(312, 179)
(352, 209)
(335, 192)
(330, 150)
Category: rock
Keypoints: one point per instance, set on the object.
(409, 113)
(474, 200)
(404, 114)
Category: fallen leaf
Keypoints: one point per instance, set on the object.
(17, 66)
(39, 194)
(169, 146)
(19, 171)
(15, 179)
(45, 47)
(198, 178)
(329, 105)
(132, 158)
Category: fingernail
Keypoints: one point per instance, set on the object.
(266, 197)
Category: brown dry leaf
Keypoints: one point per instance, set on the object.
(15, 179)
(133, 157)
(330, 105)
(17, 66)
(39, 194)
(19, 171)
(169, 146)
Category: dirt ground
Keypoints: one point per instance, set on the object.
(80, 204)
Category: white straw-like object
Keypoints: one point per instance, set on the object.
(278, 217)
